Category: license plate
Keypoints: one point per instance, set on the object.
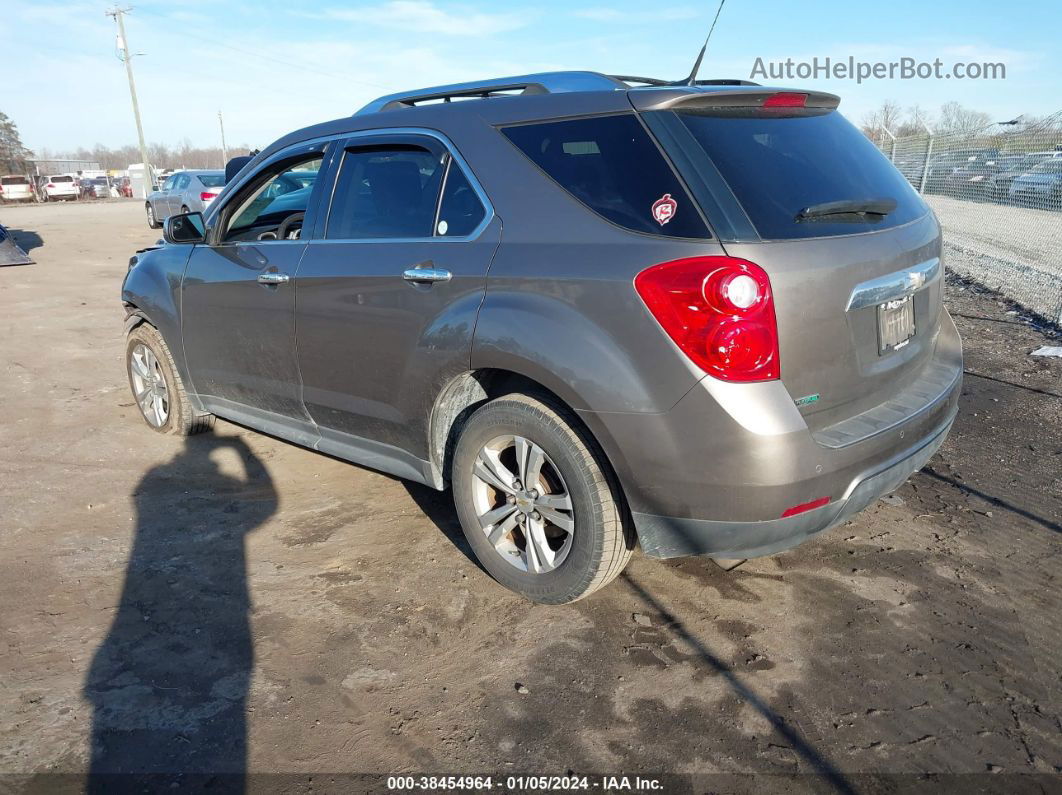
(896, 325)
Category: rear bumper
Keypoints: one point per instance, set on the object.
(670, 537)
(716, 474)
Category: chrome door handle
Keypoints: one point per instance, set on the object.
(273, 278)
(426, 275)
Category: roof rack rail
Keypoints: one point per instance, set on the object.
(656, 81)
(543, 83)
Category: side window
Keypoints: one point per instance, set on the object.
(274, 208)
(383, 192)
(611, 165)
(181, 183)
(460, 210)
(168, 184)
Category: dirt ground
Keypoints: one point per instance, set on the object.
(234, 604)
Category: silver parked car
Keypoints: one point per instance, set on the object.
(183, 192)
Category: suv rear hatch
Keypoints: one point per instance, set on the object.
(851, 249)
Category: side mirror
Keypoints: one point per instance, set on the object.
(187, 228)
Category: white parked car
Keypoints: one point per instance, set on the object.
(60, 186)
(14, 188)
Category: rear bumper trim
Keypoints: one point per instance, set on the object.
(672, 537)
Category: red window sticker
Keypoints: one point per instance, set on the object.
(664, 209)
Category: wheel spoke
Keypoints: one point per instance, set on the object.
(489, 469)
(561, 520)
(560, 502)
(533, 466)
(139, 367)
(495, 515)
(539, 556)
(502, 529)
(160, 412)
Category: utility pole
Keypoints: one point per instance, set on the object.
(224, 150)
(127, 57)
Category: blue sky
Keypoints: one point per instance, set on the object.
(274, 66)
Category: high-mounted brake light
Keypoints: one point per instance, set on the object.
(719, 311)
(785, 99)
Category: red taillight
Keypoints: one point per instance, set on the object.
(49, 185)
(785, 99)
(205, 196)
(806, 506)
(719, 311)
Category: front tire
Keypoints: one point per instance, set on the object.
(538, 502)
(157, 387)
(152, 219)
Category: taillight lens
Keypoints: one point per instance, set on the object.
(719, 311)
(49, 185)
(785, 99)
(206, 196)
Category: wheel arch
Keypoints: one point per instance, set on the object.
(460, 398)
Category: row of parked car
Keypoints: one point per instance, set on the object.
(62, 187)
(1033, 179)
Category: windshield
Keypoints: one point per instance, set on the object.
(779, 166)
(212, 180)
(61, 179)
(13, 181)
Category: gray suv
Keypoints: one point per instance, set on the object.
(604, 311)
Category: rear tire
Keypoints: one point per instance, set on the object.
(573, 487)
(157, 388)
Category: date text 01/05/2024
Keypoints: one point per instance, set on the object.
(524, 783)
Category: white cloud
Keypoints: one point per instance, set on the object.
(606, 14)
(423, 16)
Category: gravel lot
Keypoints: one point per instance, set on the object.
(235, 604)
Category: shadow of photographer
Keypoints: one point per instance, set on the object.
(168, 685)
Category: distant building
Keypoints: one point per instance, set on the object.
(46, 168)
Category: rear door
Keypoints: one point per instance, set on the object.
(238, 301)
(389, 290)
(851, 249)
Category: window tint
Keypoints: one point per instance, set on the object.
(61, 179)
(460, 210)
(212, 180)
(610, 164)
(778, 166)
(274, 201)
(385, 192)
(14, 181)
(182, 182)
(169, 183)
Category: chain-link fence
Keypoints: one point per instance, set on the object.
(998, 195)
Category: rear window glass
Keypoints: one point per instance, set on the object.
(14, 181)
(778, 166)
(61, 179)
(610, 164)
(460, 210)
(212, 180)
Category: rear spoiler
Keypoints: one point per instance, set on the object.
(727, 98)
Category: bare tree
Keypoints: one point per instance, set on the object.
(955, 118)
(886, 117)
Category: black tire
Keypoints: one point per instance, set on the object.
(602, 540)
(152, 219)
(182, 418)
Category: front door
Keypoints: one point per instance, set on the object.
(388, 293)
(239, 300)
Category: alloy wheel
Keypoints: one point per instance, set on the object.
(149, 386)
(523, 504)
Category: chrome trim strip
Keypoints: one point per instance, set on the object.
(894, 286)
